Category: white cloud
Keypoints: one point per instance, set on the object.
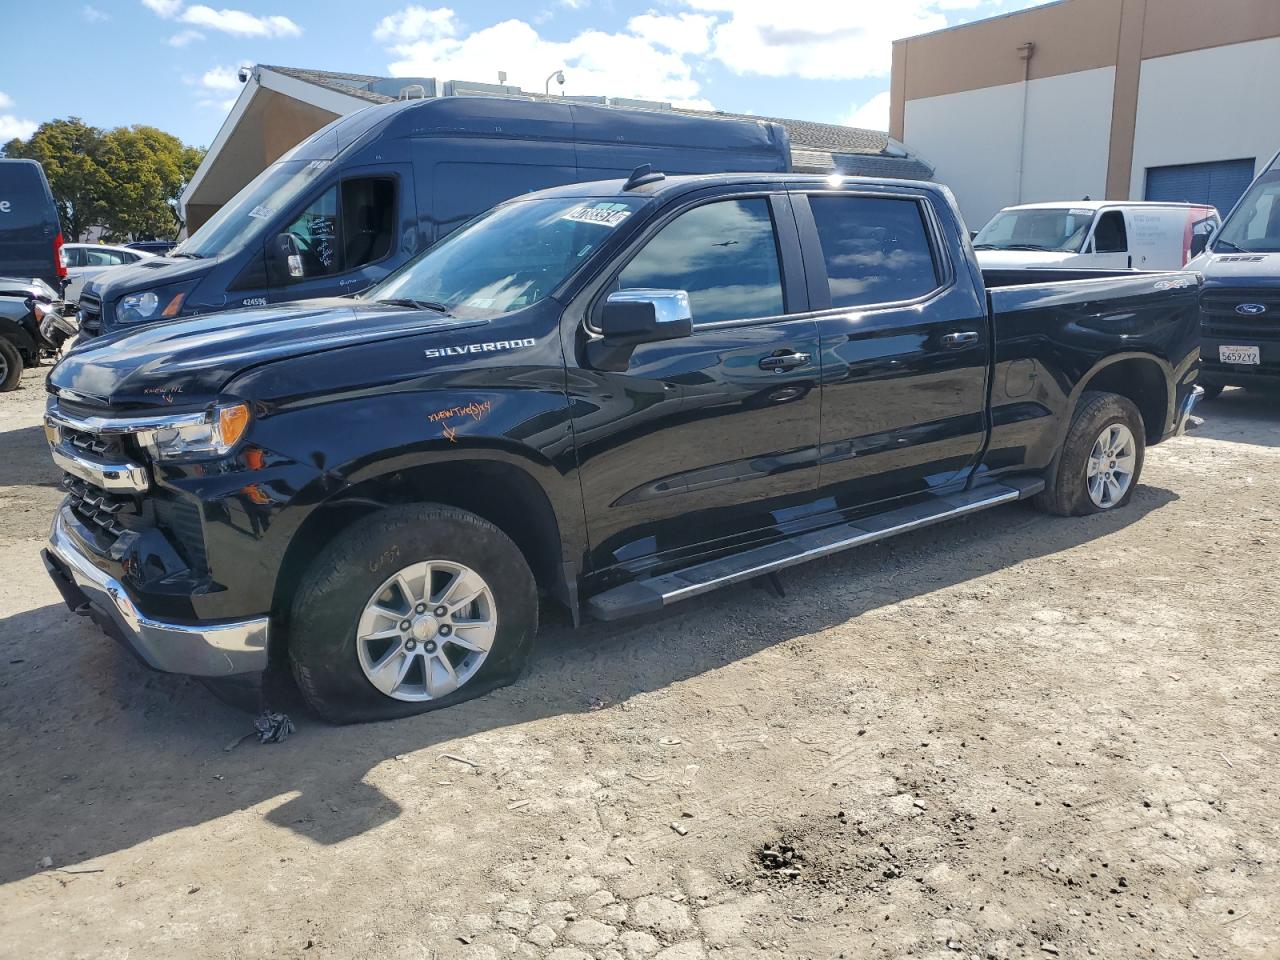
(164, 8)
(239, 23)
(595, 62)
(683, 33)
(185, 37)
(11, 126)
(221, 78)
(92, 14)
(415, 23)
(873, 115)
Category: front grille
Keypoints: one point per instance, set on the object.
(90, 314)
(98, 508)
(1220, 318)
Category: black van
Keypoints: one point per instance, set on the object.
(372, 189)
(30, 234)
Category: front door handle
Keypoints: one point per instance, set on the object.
(784, 360)
(964, 338)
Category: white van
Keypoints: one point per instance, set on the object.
(1096, 235)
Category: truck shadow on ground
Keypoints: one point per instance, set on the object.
(101, 755)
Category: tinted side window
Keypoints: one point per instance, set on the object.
(316, 234)
(723, 254)
(1109, 236)
(876, 249)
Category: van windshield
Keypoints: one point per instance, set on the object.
(243, 217)
(1254, 226)
(509, 258)
(1062, 230)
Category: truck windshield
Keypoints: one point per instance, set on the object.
(1254, 226)
(245, 215)
(509, 258)
(1062, 230)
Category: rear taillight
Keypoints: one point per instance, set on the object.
(59, 256)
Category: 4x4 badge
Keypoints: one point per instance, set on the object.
(1251, 309)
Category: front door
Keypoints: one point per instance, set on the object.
(704, 442)
(1108, 246)
(905, 346)
(348, 237)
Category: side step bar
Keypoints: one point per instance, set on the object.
(654, 593)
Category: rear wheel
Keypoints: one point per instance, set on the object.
(1101, 459)
(10, 365)
(414, 609)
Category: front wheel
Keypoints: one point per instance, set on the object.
(413, 609)
(1101, 459)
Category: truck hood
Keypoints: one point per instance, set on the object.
(1016, 259)
(1238, 269)
(147, 274)
(186, 362)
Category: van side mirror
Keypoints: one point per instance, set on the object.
(285, 255)
(633, 317)
(1199, 242)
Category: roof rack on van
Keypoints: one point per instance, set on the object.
(641, 175)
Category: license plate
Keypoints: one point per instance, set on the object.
(1242, 355)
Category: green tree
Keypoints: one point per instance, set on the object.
(126, 180)
(149, 170)
(68, 150)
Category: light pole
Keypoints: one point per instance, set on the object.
(557, 76)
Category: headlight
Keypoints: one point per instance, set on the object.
(194, 435)
(162, 304)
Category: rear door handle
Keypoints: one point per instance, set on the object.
(784, 360)
(964, 338)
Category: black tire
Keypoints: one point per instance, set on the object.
(1212, 391)
(1067, 493)
(10, 366)
(332, 595)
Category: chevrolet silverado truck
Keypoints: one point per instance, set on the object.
(613, 396)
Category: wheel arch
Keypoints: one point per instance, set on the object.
(1139, 377)
(498, 490)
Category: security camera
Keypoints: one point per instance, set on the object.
(244, 73)
(560, 77)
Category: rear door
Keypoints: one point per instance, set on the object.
(707, 441)
(905, 344)
(28, 223)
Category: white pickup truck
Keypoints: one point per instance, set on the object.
(1096, 235)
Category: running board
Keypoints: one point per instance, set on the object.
(654, 593)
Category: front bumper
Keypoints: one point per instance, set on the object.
(199, 650)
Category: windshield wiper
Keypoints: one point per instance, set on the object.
(416, 304)
(190, 256)
(1227, 243)
(985, 246)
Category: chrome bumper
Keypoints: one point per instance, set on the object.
(201, 650)
(1188, 405)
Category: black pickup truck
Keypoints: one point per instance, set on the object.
(614, 396)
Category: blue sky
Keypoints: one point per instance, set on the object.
(172, 64)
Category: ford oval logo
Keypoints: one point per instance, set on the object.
(1251, 309)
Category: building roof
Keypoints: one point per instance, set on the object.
(815, 147)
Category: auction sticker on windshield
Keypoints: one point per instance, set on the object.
(1249, 356)
(602, 214)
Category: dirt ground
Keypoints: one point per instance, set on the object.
(1012, 736)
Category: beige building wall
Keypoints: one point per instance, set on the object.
(956, 77)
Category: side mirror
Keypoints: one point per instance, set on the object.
(284, 252)
(1199, 242)
(633, 317)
